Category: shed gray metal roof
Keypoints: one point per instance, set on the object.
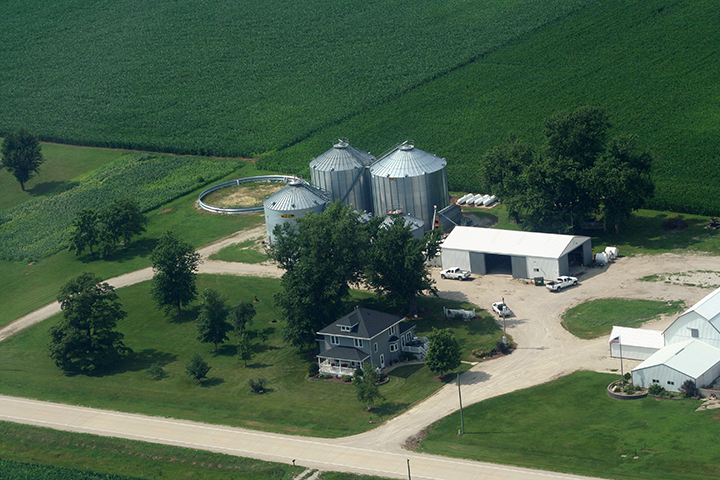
(296, 195)
(407, 161)
(342, 157)
(365, 324)
(512, 242)
(414, 222)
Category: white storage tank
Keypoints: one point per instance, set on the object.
(490, 200)
(293, 201)
(612, 252)
(410, 181)
(343, 171)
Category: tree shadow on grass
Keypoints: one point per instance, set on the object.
(389, 409)
(140, 247)
(135, 362)
(212, 382)
(226, 350)
(189, 314)
(259, 365)
(406, 371)
(54, 187)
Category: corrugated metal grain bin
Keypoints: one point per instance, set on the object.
(293, 201)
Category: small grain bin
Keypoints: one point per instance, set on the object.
(410, 181)
(344, 172)
(293, 201)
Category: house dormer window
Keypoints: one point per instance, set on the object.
(344, 328)
(393, 330)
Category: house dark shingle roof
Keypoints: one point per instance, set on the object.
(362, 323)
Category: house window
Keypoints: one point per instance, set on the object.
(375, 347)
(358, 342)
(671, 383)
(694, 333)
(393, 347)
(334, 340)
(393, 330)
(655, 380)
(344, 328)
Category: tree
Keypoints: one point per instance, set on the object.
(578, 174)
(622, 180)
(689, 389)
(212, 325)
(444, 353)
(22, 156)
(244, 349)
(241, 315)
(395, 263)
(367, 389)
(85, 340)
(198, 368)
(321, 257)
(85, 233)
(175, 264)
(122, 220)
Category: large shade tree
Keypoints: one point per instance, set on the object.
(395, 263)
(444, 354)
(580, 173)
(322, 256)
(22, 156)
(85, 340)
(175, 264)
(212, 325)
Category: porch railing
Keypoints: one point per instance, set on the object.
(330, 369)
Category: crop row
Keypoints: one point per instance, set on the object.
(40, 227)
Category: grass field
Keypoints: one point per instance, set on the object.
(597, 317)
(571, 425)
(294, 405)
(245, 252)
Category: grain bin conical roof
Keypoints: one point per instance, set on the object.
(407, 161)
(342, 157)
(296, 195)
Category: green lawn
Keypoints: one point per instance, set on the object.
(245, 252)
(571, 425)
(294, 405)
(597, 317)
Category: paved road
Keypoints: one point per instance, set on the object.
(546, 351)
(313, 453)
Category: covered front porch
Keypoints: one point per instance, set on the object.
(341, 361)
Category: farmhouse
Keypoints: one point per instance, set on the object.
(366, 336)
(521, 254)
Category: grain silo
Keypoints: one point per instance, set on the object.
(410, 181)
(344, 172)
(293, 201)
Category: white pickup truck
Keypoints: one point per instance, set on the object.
(455, 274)
(560, 283)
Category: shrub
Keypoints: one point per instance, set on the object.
(347, 378)
(627, 377)
(257, 385)
(689, 389)
(655, 389)
(324, 376)
(313, 369)
(156, 371)
(630, 389)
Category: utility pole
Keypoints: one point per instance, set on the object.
(462, 420)
(503, 315)
(409, 477)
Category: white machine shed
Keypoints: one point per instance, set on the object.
(635, 343)
(521, 254)
(701, 322)
(672, 365)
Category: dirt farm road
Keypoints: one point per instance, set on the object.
(546, 351)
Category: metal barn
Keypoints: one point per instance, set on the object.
(520, 254)
(672, 365)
